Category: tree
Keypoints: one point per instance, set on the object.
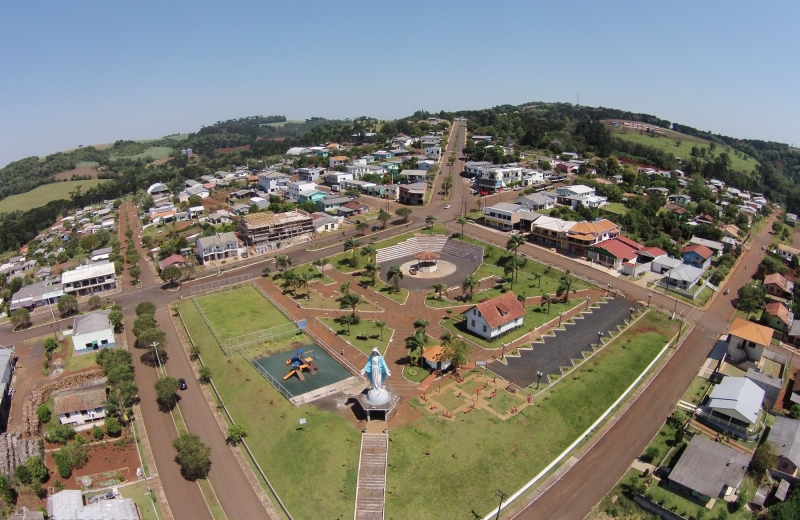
(195, 200)
(6, 491)
(351, 300)
(764, 459)
(394, 275)
(282, 262)
(514, 241)
(371, 270)
(171, 274)
(37, 469)
(468, 286)
(236, 433)
(417, 342)
(750, 298)
(421, 324)
(166, 392)
(135, 272)
(381, 325)
(345, 287)
(20, 318)
(369, 251)
(321, 263)
(404, 213)
(457, 352)
(146, 308)
(44, 413)
(194, 457)
(794, 411)
(564, 287)
(95, 302)
(352, 244)
(462, 220)
(429, 220)
(440, 288)
(67, 304)
(205, 374)
(347, 320)
(384, 216)
(361, 226)
(303, 280)
(115, 317)
(23, 474)
(113, 428)
(787, 510)
(120, 401)
(546, 298)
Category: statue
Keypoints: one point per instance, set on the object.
(376, 370)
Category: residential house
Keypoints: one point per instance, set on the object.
(677, 210)
(717, 248)
(496, 316)
(613, 252)
(492, 179)
(697, 256)
(550, 231)
(413, 194)
(297, 187)
(731, 231)
(771, 385)
(356, 208)
(658, 190)
(778, 317)
(586, 234)
(426, 165)
(679, 198)
(188, 183)
(338, 161)
(574, 190)
(310, 174)
(7, 366)
(473, 168)
(89, 279)
(788, 252)
(485, 138)
(101, 254)
(433, 152)
(335, 178)
(412, 176)
(747, 340)
(240, 209)
(360, 167)
(68, 505)
(272, 182)
(220, 245)
(220, 216)
(259, 228)
(785, 435)
(357, 185)
(331, 204)
(736, 400)
(708, 470)
(537, 201)
(778, 288)
(684, 277)
(176, 260)
(646, 255)
(313, 196)
(92, 331)
(503, 215)
(381, 155)
(794, 339)
(81, 405)
(36, 295)
(323, 222)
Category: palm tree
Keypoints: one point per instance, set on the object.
(371, 270)
(469, 285)
(361, 226)
(381, 325)
(564, 286)
(546, 298)
(303, 280)
(353, 244)
(446, 338)
(394, 275)
(538, 276)
(283, 261)
(417, 342)
(321, 263)
(289, 278)
(462, 220)
(345, 288)
(351, 301)
(440, 288)
(514, 241)
(421, 324)
(370, 252)
(429, 220)
(521, 298)
(348, 320)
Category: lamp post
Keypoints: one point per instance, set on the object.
(588, 299)
(158, 357)
(599, 339)
(560, 314)
(632, 311)
(678, 341)
(648, 299)
(675, 309)
(538, 377)
(608, 290)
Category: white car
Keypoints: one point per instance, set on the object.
(447, 206)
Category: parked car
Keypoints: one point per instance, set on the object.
(447, 206)
(182, 383)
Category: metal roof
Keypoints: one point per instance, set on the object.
(91, 322)
(738, 394)
(707, 467)
(91, 271)
(785, 434)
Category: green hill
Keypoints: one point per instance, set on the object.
(44, 194)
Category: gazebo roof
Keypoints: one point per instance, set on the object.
(427, 255)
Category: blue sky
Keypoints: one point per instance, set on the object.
(76, 73)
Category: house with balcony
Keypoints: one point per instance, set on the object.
(503, 215)
(310, 174)
(493, 179)
(89, 279)
(550, 231)
(220, 245)
(413, 194)
(81, 405)
(297, 187)
(412, 176)
(272, 182)
(537, 201)
(586, 234)
(338, 161)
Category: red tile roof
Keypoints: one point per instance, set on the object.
(701, 250)
(171, 260)
(653, 251)
(501, 310)
(621, 247)
(779, 310)
(777, 279)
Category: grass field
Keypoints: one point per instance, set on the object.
(616, 208)
(685, 149)
(44, 194)
(154, 152)
(240, 311)
(365, 336)
(283, 123)
(309, 467)
(696, 390)
(139, 493)
(467, 459)
(76, 362)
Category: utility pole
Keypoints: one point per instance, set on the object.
(503, 496)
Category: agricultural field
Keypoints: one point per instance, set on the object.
(154, 152)
(41, 195)
(283, 123)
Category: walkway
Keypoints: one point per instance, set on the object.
(371, 488)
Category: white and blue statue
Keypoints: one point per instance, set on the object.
(377, 371)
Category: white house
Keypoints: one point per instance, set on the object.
(494, 317)
(271, 182)
(68, 505)
(221, 245)
(92, 331)
(89, 279)
(747, 340)
(577, 190)
(503, 215)
(433, 152)
(297, 187)
(81, 405)
(736, 398)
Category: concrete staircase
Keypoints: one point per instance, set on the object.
(371, 487)
(460, 249)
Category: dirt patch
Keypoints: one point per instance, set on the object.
(110, 463)
(83, 171)
(233, 148)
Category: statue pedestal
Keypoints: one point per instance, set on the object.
(380, 409)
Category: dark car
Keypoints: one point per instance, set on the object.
(182, 383)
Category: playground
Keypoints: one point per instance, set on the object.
(328, 370)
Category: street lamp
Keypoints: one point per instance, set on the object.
(678, 341)
(560, 314)
(538, 377)
(158, 357)
(648, 299)
(632, 311)
(608, 289)
(588, 299)
(599, 339)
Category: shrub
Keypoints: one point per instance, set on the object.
(37, 469)
(23, 475)
(62, 464)
(649, 454)
(44, 414)
(236, 433)
(193, 456)
(97, 432)
(113, 428)
(60, 433)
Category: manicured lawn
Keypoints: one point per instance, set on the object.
(730, 370)
(365, 336)
(616, 208)
(415, 374)
(138, 492)
(696, 390)
(154, 152)
(309, 467)
(429, 459)
(317, 301)
(240, 311)
(387, 290)
(535, 317)
(661, 444)
(41, 195)
(75, 362)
